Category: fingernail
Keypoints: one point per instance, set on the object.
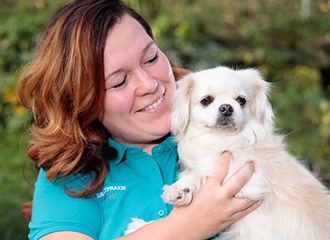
(229, 154)
(251, 163)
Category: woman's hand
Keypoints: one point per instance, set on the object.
(214, 207)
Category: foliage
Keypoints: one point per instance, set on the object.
(275, 36)
(21, 23)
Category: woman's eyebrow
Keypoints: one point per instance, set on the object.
(113, 73)
(144, 50)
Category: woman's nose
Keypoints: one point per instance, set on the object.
(145, 83)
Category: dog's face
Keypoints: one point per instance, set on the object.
(221, 99)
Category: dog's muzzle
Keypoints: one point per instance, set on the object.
(225, 119)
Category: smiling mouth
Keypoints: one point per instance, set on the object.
(154, 105)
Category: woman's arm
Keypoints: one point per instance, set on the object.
(213, 209)
(66, 235)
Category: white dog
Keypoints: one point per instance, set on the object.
(223, 109)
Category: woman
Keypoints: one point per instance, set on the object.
(100, 90)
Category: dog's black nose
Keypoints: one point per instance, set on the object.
(226, 110)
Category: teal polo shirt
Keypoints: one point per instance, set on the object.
(132, 189)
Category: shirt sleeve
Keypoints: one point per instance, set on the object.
(53, 211)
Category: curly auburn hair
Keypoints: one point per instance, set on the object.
(63, 86)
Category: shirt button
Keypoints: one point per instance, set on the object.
(162, 149)
(161, 213)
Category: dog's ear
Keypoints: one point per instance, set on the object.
(260, 106)
(181, 106)
(179, 73)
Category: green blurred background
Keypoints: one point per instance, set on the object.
(289, 41)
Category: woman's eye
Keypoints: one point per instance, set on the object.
(121, 83)
(153, 59)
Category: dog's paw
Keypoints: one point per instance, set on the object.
(135, 225)
(177, 195)
(257, 188)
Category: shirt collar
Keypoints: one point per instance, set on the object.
(122, 149)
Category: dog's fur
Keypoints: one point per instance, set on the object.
(210, 116)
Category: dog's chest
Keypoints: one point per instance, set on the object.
(204, 156)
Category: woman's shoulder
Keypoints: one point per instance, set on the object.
(54, 210)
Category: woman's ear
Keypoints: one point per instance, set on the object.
(181, 106)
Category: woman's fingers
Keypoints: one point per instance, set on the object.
(244, 207)
(221, 168)
(216, 204)
(237, 181)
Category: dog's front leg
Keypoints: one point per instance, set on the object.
(181, 192)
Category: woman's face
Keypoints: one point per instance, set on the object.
(139, 86)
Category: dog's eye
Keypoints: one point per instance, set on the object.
(207, 100)
(241, 101)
